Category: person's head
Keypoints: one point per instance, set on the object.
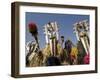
(62, 38)
(68, 43)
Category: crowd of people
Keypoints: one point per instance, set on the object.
(69, 54)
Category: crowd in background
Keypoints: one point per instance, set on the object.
(68, 54)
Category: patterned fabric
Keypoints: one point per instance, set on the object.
(74, 52)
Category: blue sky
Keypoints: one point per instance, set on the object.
(65, 22)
